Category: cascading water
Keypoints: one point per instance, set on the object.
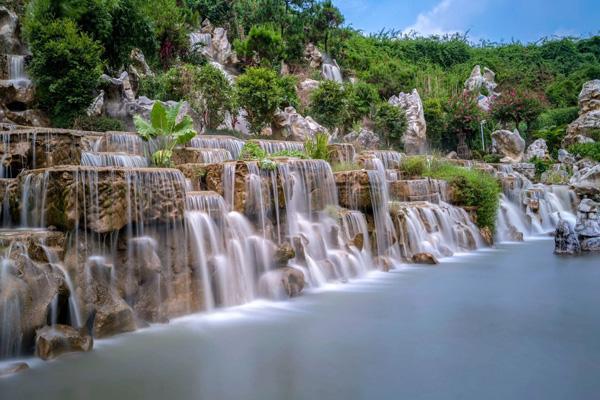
(274, 146)
(125, 160)
(231, 144)
(16, 70)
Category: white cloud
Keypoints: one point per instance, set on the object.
(447, 17)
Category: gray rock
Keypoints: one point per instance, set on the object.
(592, 244)
(565, 240)
(363, 140)
(10, 42)
(510, 145)
(579, 131)
(289, 125)
(565, 157)
(282, 283)
(538, 149)
(53, 341)
(588, 222)
(415, 138)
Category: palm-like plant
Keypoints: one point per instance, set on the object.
(163, 127)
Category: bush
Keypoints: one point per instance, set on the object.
(492, 158)
(413, 166)
(216, 96)
(362, 98)
(391, 124)
(471, 188)
(317, 148)
(557, 117)
(263, 46)
(261, 92)
(541, 166)
(252, 151)
(435, 116)
(65, 67)
(291, 153)
(553, 137)
(329, 105)
(98, 124)
(589, 150)
(517, 106)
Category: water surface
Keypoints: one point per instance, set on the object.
(513, 323)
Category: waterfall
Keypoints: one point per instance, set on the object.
(90, 159)
(229, 143)
(332, 72)
(276, 146)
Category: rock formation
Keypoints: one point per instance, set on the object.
(582, 129)
(537, 150)
(483, 84)
(10, 32)
(289, 125)
(510, 145)
(415, 138)
(565, 240)
(51, 342)
(364, 139)
(213, 43)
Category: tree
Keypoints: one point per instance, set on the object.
(261, 92)
(329, 105)
(165, 130)
(517, 106)
(391, 123)
(263, 46)
(65, 67)
(216, 96)
(362, 98)
(464, 116)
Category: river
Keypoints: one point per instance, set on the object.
(515, 322)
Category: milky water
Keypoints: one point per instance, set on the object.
(497, 324)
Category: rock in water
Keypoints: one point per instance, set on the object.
(588, 221)
(565, 240)
(580, 130)
(537, 149)
(13, 368)
(282, 283)
(510, 145)
(53, 341)
(415, 137)
(425, 258)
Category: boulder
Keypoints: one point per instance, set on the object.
(364, 139)
(591, 244)
(537, 150)
(588, 219)
(510, 145)
(53, 341)
(221, 48)
(13, 368)
(313, 56)
(565, 240)
(581, 130)
(565, 157)
(282, 283)
(354, 189)
(289, 125)
(415, 137)
(138, 68)
(425, 258)
(283, 254)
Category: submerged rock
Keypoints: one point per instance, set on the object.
(13, 368)
(282, 283)
(53, 341)
(425, 258)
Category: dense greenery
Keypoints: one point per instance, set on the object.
(65, 69)
(167, 130)
(98, 124)
(390, 123)
(471, 188)
(589, 150)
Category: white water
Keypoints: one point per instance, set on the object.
(90, 159)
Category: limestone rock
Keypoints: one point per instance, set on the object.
(565, 240)
(591, 244)
(282, 283)
(10, 42)
(365, 139)
(313, 56)
(483, 85)
(53, 341)
(13, 368)
(588, 219)
(580, 130)
(510, 145)
(289, 125)
(354, 189)
(415, 137)
(95, 109)
(565, 157)
(538, 149)
(138, 68)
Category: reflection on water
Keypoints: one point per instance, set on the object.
(493, 325)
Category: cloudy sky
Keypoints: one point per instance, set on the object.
(497, 20)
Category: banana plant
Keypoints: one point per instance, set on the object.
(166, 131)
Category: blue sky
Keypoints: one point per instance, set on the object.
(496, 20)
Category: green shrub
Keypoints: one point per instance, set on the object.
(362, 99)
(413, 166)
(492, 158)
(263, 45)
(435, 116)
(341, 167)
(553, 137)
(216, 96)
(98, 124)
(541, 166)
(290, 153)
(65, 67)
(329, 104)
(586, 150)
(317, 148)
(471, 188)
(252, 151)
(391, 124)
(557, 117)
(261, 92)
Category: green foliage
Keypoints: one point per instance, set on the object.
(329, 105)
(464, 115)
(435, 116)
(390, 77)
(218, 12)
(413, 166)
(317, 148)
(586, 150)
(65, 67)
(471, 188)
(517, 106)
(557, 117)
(252, 151)
(267, 164)
(164, 129)
(260, 91)
(263, 46)
(291, 153)
(216, 96)
(168, 19)
(541, 166)
(361, 100)
(391, 124)
(492, 158)
(341, 167)
(98, 124)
